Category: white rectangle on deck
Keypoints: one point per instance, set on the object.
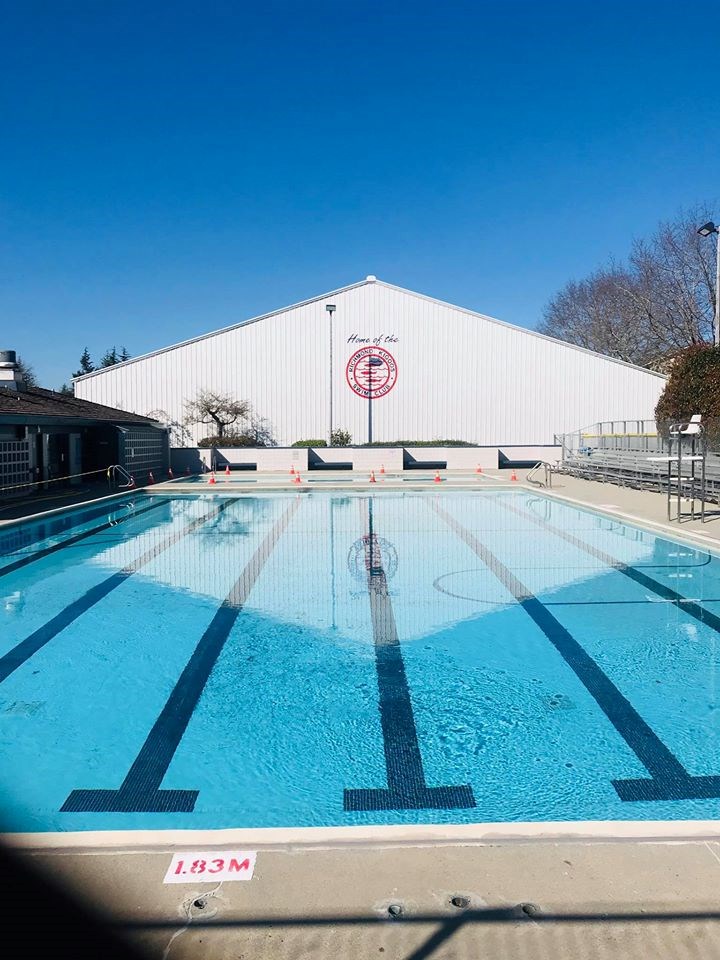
(211, 866)
(369, 458)
(268, 459)
(550, 454)
(459, 458)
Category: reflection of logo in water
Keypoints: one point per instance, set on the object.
(371, 372)
(383, 554)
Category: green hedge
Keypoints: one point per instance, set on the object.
(693, 387)
(419, 443)
(391, 443)
(232, 440)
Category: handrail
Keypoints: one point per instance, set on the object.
(548, 471)
(116, 469)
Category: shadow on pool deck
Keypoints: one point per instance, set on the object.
(21, 507)
(582, 900)
(37, 910)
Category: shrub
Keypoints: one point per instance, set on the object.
(419, 443)
(340, 438)
(693, 387)
(247, 438)
(310, 443)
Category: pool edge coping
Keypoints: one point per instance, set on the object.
(81, 505)
(604, 831)
(652, 526)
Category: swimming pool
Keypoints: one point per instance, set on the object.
(332, 658)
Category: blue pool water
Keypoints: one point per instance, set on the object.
(324, 659)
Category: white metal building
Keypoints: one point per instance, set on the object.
(436, 371)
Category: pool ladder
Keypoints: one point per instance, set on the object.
(116, 472)
(547, 474)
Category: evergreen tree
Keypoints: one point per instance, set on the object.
(124, 355)
(110, 358)
(86, 364)
(26, 372)
(66, 391)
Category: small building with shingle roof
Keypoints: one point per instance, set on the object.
(49, 437)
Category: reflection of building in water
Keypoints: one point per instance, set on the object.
(372, 545)
(316, 576)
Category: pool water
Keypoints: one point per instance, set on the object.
(303, 659)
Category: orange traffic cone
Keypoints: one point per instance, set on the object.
(438, 478)
(151, 478)
(297, 478)
(514, 475)
(372, 477)
(382, 469)
(479, 469)
(292, 470)
(171, 475)
(227, 471)
(212, 477)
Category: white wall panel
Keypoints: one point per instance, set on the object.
(460, 375)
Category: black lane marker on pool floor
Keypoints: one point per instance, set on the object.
(140, 790)
(689, 606)
(22, 652)
(670, 780)
(78, 537)
(406, 789)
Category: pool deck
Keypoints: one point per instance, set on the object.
(581, 899)
(612, 890)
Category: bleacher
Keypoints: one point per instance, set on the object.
(637, 457)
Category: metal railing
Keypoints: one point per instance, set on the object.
(116, 471)
(681, 467)
(640, 436)
(547, 474)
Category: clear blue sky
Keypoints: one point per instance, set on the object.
(171, 167)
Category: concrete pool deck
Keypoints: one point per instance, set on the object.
(636, 506)
(617, 890)
(524, 900)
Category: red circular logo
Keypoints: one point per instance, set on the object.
(371, 372)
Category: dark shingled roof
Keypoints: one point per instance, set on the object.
(36, 402)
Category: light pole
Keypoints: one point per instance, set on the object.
(330, 307)
(705, 230)
(372, 362)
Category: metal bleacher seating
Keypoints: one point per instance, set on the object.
(611, 458)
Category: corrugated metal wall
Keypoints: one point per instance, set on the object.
(459, 375)
(144, 449)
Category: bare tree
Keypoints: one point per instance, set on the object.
(219, 409)
(261, 432)
(598, 313)
(650, 309)
(675, 271)
(180, 436)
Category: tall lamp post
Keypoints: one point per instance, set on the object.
(372, 362)
(705, 230)
(330, 307)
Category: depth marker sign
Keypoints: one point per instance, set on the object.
(211, 866)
